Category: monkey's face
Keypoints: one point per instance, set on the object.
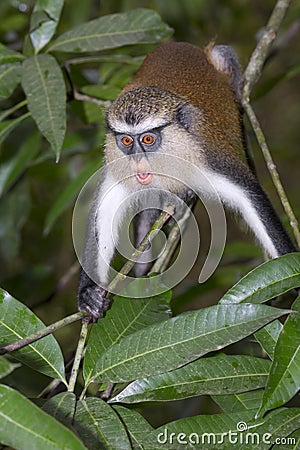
(143, 123)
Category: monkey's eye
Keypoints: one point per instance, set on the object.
(148, 139)
(127, 141)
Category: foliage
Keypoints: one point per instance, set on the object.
(56, 77)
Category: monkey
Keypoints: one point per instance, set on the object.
(184, 102)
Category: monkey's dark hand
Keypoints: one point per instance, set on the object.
(92, 298)
(93, 301)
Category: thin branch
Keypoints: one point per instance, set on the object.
(42, 333)
(87, 98)
(273, 171)
(251, 76)
(78, 355)
(173, 240)
(260, 54)
(158, 224)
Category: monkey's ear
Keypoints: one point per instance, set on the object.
(185, 115)
(225, 60)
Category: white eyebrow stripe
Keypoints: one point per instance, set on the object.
(149, 124)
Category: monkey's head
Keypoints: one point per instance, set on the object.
(183, 101)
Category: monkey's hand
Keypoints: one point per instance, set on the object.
(92, 298)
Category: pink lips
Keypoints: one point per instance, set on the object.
(144, 177)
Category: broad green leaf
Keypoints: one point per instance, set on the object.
(24, 426)
(138, 26)
(136, 425)
(12, 169)
(8, 126)
(291, 442)
(124, 317)
(6, 367)
(284, 379)
(10, 77)
(220, 374)
(45, 89)
(8, 56)
(203, 432)
(62, 407)
(278, 425)
(266, 281)
(68, 195)
(99, 426)
(177, 341)
(267, 337)
(17, 322)
(239, 402)
(238, 430)
(44, 21)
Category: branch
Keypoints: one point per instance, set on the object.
(78, 355)
(158, 224)
(42, 333)
(273, 171)
(251, 76)
(260, 54)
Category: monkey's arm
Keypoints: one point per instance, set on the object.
(99, 247)
(241, 191)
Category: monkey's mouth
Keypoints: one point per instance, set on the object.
(144, 177)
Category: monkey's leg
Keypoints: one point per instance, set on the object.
(103, 225)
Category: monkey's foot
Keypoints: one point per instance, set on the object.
(93, 300)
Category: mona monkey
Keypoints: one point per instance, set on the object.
(184, 102)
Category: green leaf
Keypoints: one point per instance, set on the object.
(124, 317)
(44, 21)
(6, 367)
(24, 426)
(203, 432)
(238, 430)
(17, 322)
(10, 77)
(8, 56)
(266, 281)
(62, 407)
(136, 425)
(44, 86)
(99, 426)
(139, 26)
(221, 374)
(278, 425)
(8, 126)
(284, 378)
(12, 169)
(267, 337)
(239, 402)
(291, 442)
(69, 194)
(177, 341)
